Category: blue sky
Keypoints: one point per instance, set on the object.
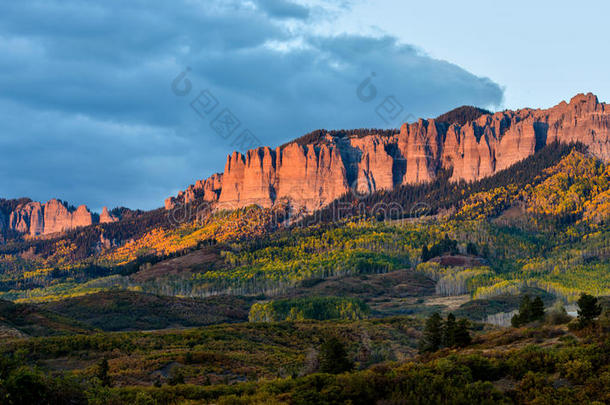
(93, 109)
(540, 52)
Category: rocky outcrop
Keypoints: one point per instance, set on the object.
(27, 218)
(312, 175)
(106, 217)
(33, 218)
(207, 190)
(57, 217)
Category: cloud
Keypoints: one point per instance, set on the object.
(87, 112)
(284, 9)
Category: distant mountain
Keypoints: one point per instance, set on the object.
(33, 218)
(312, 171)
(316, 169)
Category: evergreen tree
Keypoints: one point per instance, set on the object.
(333, 357)
(485, 251)
(462, 335)
(102, 372)
(24, 386)
(588, 309)
(525, 312)
(425, 254)
(537, 309)
(449, 331)
(433, 333)
(471, 249)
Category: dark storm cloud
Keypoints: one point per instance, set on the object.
(87, 114)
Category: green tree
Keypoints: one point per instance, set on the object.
(462, 334)
(433, 334)
(333, 357)
(485, 251)
(537, 309)
(471, 249)
(525, 312)
(102, 372)
(449, 331)
(425, 254)
(588, 309)
(25, 386)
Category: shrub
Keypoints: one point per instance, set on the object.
(557, 315)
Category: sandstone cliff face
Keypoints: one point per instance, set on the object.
(34, 218)
(208, 189)
(27, 218)
(311, 176)
(57, 218)
(106, 217)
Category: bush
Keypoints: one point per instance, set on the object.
(557, 315)
(25, 386)
(577, 370)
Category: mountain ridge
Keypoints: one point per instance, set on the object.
(311, 171)
(310, 176)
(55, 216)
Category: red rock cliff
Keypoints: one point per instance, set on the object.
(311, 176)
(34, 218)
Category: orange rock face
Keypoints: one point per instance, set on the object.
(57, 218)
(106, 217)
(311, 176)
(208, 189)
(34, 218)
(27, 218)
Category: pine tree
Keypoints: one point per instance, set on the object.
(471, 249)
(102, 372)
(462, 335)
(588, 309)
(537, 310)
(333, 357)
(485, 252)
(425, 254)
(432, 337)
(449, 331)
(525, 312)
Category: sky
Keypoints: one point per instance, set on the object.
(123, 103)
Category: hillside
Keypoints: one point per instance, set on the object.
(19, 320)
(525, 238)
(127, 310)
(276, 364)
